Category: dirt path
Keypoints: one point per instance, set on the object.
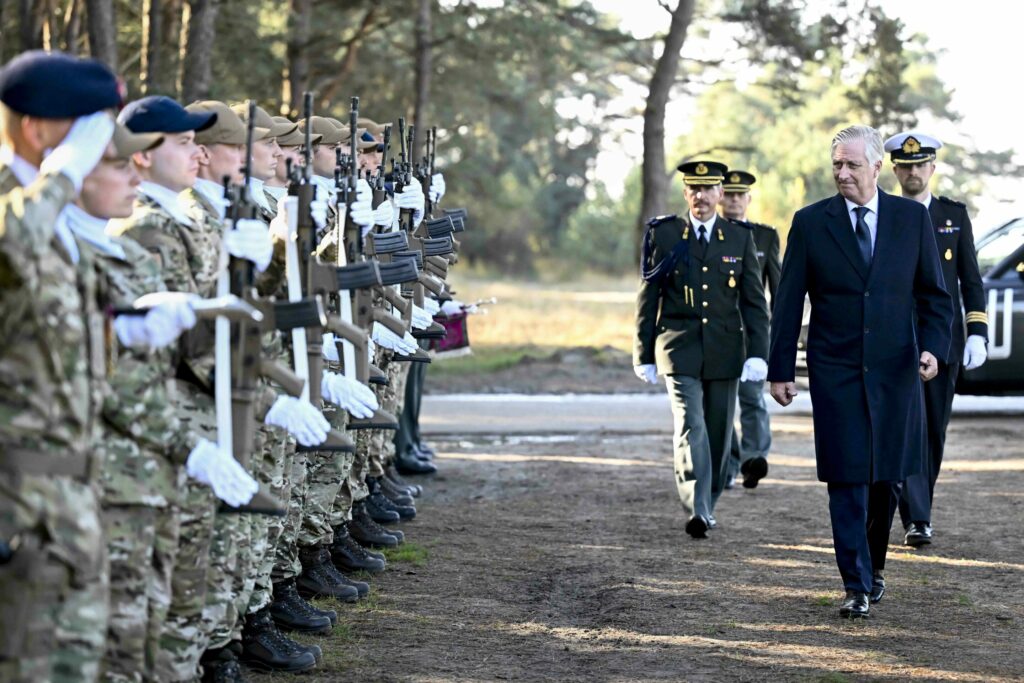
(565, 560)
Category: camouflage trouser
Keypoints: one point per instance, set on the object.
(165, 551)
(130, 532)
(53, 592)
(184, 639)
(324, 473)
(276, 478)
(286, 554)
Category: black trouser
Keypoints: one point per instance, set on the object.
(861, 518)
(408, 433)
(919, 489)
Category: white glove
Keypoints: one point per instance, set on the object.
(421, 320)
(389, 340)
(285, 220)
(160, 327)
(384, 214)
(437, 187)
(349, 394)
(209, 464)
(411, 197)
(431, 306)
(754, 370)
(371, 349)
(646, 373)
(318, 209)
(330, 348)
(81, 149)
(975, 352)
(250, 240)
(300, 419)
(451, 307)
(362, 208)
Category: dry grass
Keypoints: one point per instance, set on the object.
(588, 312)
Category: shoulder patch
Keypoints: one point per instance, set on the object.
(954, 202)
(658, 220)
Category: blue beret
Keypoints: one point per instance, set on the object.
(54, 85)
(161, 114)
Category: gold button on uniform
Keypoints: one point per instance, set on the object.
(705, 321)
(705, 304)
(703, 286)
(705, 269)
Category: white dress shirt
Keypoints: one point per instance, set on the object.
(708, 226)
(870, 218)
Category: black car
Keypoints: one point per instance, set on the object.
(1001, 261)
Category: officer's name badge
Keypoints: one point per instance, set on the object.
(731, 259)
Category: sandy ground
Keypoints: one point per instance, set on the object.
(562, 557)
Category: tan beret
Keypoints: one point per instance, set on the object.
(127, 143)
(229, 128)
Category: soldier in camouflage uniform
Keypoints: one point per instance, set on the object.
(53, 587)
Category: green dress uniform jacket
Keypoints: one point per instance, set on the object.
(708, 314)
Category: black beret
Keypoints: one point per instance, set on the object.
(54, 85)
(161, 114)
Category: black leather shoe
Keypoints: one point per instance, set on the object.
(753, 471)
(392, 474)
(263, 646)
(423, 451)
(366, 531)
(291, 613)
(877, 588)
(408, 463)
(221, 666)
(321, 578)
(698, 527)
(918, 534)
(349, 556)
(855, 606)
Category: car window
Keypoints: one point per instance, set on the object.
(998, 247)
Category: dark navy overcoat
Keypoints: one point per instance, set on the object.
(863, 346)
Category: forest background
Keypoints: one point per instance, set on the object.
(527, 93)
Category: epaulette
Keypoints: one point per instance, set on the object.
(658, 220)
(954, 202)
(763, 225)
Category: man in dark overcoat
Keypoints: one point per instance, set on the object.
(880, 320)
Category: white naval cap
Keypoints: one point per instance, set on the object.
(912, 147)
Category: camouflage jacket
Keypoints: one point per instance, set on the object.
(51, 333)
(143, 437)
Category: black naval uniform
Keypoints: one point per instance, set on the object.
(701, 313)
(954, 237)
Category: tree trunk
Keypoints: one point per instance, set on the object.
(655, 183)
(170, 46)
(102, 31)
(296, 77)
(424, 68)
(198, 25)
(152, 47)
(31, 28)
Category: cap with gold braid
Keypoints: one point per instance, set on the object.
(738, 181)
(912, 147)
(703, 172)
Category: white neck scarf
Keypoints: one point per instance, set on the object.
(168, 200)
(90, 230)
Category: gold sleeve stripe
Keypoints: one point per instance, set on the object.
(977, 317)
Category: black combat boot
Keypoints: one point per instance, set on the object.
(368, 532)
(395, 493)
(349, 556)
(291, 613)
(325, 557)
(221, 666)
(395, 478)
(379, 501)
(319, 578)
(376, 505)
(263, 646)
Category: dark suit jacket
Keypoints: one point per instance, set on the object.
(867, 330)
(692, 322)
(954, 237)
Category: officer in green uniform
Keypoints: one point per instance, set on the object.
(700, 302)
(752, 458)
(913, 158)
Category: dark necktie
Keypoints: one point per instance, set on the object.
(702, 236)
(863, 235)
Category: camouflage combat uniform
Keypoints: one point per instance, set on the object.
(53, 589)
